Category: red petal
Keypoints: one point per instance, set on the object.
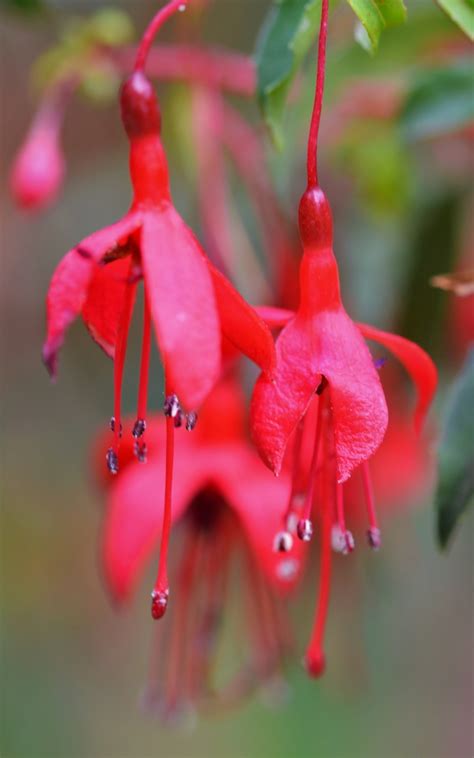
(279, 401)
(241, 324)
(182, 305)
(104, 304)
(134, 519)
(418, 364)
(68, 289)
(260, 502)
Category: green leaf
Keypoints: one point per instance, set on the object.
(455, 490)
(462, 13)
(286, 36)
(26, 6)
(439, 101)
(375, 16)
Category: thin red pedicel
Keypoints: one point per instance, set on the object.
(153, 27)
(312, 155)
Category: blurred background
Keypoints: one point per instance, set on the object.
(399, 684)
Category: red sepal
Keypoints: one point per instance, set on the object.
(70, 282)
(182, 305)
(418, 364)
(241, 324)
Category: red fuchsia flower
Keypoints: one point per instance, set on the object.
(226, 506)
(38, 170)
(325, 368)
(188, 301)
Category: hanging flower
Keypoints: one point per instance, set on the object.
(226, 506)
(325, 376)
(189, 302)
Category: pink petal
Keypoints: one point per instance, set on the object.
(134, 519)
(260, 502)
(104, 304)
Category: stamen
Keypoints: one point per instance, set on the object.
(305, 527)
(112, 461)
(171, 406)
(112, 426)
(139, 427)
(119, 362)
(140, 451)
(161, 588)
(342, 539)
(283, 542)
(290, 519)
(191, 420)
(374, 536)
(315, 659)
(178, 419)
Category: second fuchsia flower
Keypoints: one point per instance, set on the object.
(322, 360)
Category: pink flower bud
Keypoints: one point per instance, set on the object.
(38, 170)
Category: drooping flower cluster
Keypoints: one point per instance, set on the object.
(318, 410)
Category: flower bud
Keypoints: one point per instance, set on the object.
(38, 170)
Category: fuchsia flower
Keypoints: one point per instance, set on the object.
(226, 505)
(323, 361)
(188, 301)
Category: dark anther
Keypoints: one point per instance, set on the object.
(159, 603)
(112, 461)
(283, 542)
(191, 420)
(112, 426)
(374, 538)
(140, 451)
(171, 406)
(322, 385)
(139, 428)
(379, 363)
(178, 419)
(304, 529)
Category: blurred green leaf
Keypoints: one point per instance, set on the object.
(286, 36)
(455, 490)
(375, 16)
(26, 6)
(433, 248)
(379, 162)
(462, 13)
(439, 101)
